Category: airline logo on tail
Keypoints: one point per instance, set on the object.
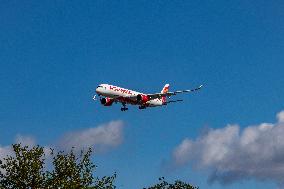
(164, 91)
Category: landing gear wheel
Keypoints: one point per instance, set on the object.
(142, 107)
(124, 109)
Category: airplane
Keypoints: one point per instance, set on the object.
(124, 96)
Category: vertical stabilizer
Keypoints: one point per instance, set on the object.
(165, 90)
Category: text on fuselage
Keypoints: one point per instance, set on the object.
(118, 89)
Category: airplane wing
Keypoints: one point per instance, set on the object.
(168, 94)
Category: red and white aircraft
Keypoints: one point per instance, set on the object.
(116, 94)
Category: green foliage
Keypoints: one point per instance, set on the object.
(107, 182)
(24, 170)
(69, 171)
(176, 185)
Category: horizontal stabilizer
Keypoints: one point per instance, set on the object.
(172, 101)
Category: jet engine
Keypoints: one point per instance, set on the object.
(142, 99)
(106, 101)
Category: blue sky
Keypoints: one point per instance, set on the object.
(53, 54)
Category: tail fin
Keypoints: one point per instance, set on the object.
(165, 90)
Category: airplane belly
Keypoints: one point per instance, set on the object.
(154, 102)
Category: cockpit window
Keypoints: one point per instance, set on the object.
(99, 86)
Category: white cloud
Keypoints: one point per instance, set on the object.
(4, 151)
(7, 150)
(280, 116)
(233, 154)
(100, 138)
(24, 140)
(103, 137)
(181, 153)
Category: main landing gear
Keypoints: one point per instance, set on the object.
(142, 107)
(124, 107)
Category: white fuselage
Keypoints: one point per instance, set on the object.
(121, 94)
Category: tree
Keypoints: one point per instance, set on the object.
(74, 172)
(176, 185)
(71, 171)
(26, 169)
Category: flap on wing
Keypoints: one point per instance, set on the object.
(159, 95)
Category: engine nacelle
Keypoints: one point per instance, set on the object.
(106, 101)
(142, 99)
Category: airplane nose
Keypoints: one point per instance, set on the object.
(98, 90)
